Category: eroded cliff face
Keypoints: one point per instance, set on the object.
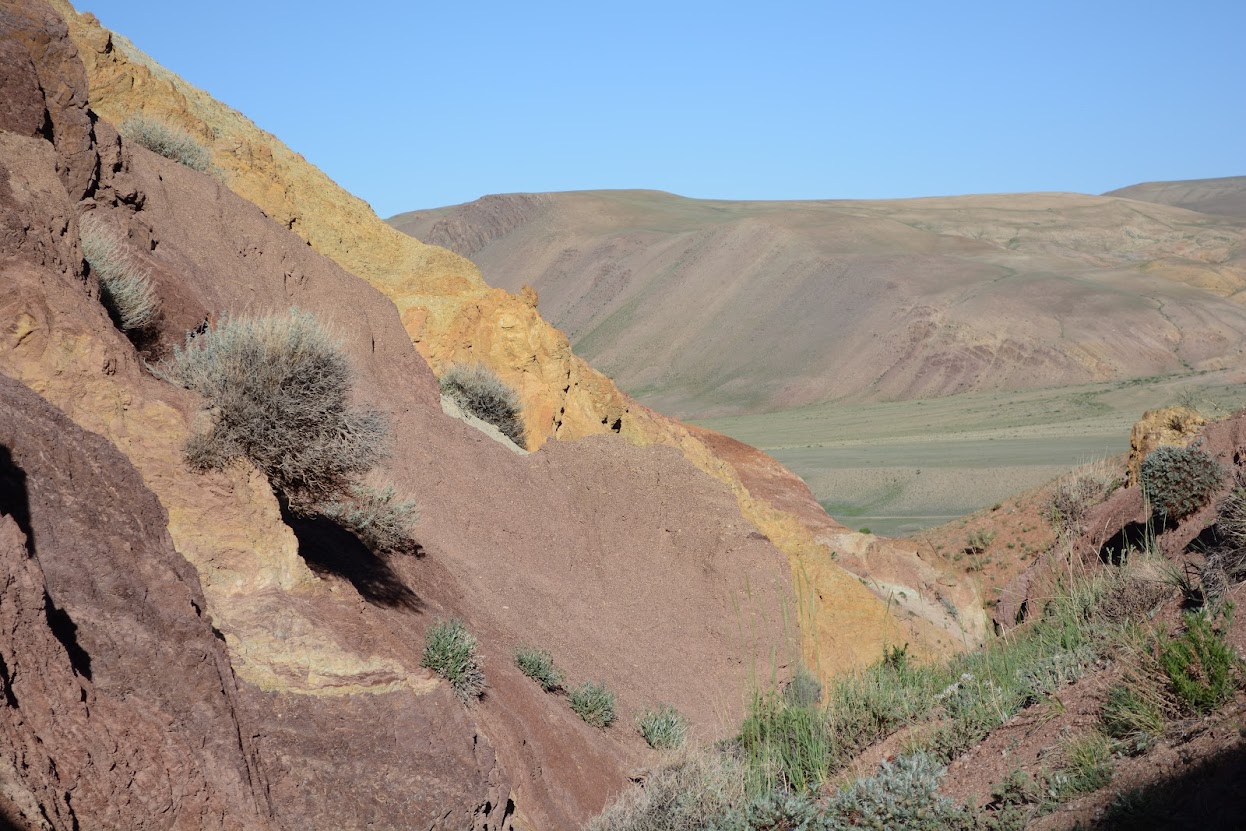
(451, 315)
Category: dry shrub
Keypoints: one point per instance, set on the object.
(279, 388)
(125, 287)
(163, 140)
(688, 793)
(375, 515)
(478, 391)
(1075, 494)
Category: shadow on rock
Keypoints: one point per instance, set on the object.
(328, 548)
(1207, 795)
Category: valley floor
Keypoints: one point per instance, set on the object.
(900, 467)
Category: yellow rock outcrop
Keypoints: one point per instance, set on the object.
(1157, 428)
(452, 315)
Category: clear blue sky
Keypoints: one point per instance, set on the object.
(414, 105)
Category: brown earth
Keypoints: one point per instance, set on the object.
(451, 314)
(1226, 196)
(707, 308)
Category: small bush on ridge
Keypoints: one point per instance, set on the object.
(664, 728)
(1179, 480)
(163, 140)
(538, 664)
(1087, 766)
(480, 392)
(279, 387)
(450, 651)
(125, 288)
(594, 704)
(376, 516)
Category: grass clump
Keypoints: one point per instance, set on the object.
(450, 651)
(164, 140)
(380, 520)
(593, 703)
(279, 388)
(803, 689)
(480, 392)
(1074, 495)
(784, 746)
(664, 728)
(538, 664)
(1132, 716)
(1199, 664)
(1179, 480)
(1087, 766)
(126, 289)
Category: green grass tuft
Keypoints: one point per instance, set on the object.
(664, 728)
(450, 651)
(538, 664)
(593, 703)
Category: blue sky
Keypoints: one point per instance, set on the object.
(414, 105)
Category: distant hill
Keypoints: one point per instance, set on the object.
(1225, 196)
(709, 308)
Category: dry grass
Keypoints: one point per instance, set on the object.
(126, 289)
(163, 140)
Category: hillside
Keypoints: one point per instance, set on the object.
(1225, 196)
(451, 315)
(185, 651)
(705, 308)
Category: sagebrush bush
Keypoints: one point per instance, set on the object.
(692, 792)
(538, 664)
(902, 796)
(164, 140)
(774, 811)
(1179, 480)
(279, 389)
(478, 391)
(664, 728)
(1200, 664)
(126, 289)
(380, 520)
(593, 703)
(450, 651)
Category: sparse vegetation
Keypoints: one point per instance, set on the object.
(1133, 716)
(693, 792)
(1179, 480)
(126, 289)
(380, 520)
(803, 688)
(1087, 766)
(1200, 665)
(538, 664)
(902, 796)
(978, 541)
(664, 728)
(1077, 493)
(450, 651)
(164, 140)
(480, 392)
(279, 388)
(593, 703)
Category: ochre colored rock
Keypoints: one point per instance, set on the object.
(1167, 426)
